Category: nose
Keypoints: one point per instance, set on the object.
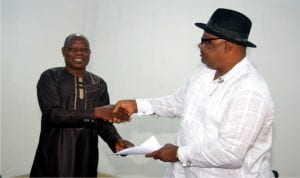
(200, 45)
(79, 51)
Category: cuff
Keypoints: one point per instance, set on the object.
(88, 119)
(182, 155)
(144, 107)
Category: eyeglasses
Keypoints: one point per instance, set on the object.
(206, 40)
(75, 50)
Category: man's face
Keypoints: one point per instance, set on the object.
(212, 50)
(77, 54)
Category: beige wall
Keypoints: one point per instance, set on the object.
(141, 48)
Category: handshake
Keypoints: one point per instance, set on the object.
(120, 112)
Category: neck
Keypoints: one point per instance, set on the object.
(233, 56)
(220, 72)
(77, 73)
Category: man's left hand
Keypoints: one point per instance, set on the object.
(166, 154)
(122, 144)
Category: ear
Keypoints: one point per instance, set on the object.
(228, 46)
(63, 51)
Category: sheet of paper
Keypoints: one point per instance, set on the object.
(148, 146)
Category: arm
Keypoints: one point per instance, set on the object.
(169, 106)
(111, 136)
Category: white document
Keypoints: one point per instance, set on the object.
(148, 146)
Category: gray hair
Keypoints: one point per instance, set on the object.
(73, 36)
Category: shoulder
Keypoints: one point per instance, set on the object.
(52, 72)
(253, 83)
(254, 80)
(95, 78)
(52, 76)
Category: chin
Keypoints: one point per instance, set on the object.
(78, 68)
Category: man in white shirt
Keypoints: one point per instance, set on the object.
(226, 109)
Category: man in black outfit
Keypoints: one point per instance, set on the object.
(70, 99)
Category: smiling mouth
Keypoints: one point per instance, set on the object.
(78, 60)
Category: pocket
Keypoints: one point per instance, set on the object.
(96, 95)
(93, 87)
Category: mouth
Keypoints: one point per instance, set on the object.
(202, 58)
(201, 53)
(78, 60)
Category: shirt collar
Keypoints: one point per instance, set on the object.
(236, 69)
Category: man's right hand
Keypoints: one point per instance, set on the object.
(129, 106)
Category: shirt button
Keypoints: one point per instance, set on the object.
(221, 80)
(188, 163)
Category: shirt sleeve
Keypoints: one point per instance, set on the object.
(168, 106)
(109, 134)
(243, 121)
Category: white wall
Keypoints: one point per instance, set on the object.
(1, 89)
(141, 48)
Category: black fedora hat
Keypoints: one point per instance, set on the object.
(229, 25)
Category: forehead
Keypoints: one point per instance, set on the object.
(78, 40)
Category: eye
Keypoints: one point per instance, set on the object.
(75, 50)
(208, 40)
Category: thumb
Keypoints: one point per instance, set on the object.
(152, 154)
(117, 107)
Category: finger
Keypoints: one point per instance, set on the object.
(125, 116)
(130, 144)
(127, 144)
(117, 107)
(117, 120)
(148, 155)
(118, 148)
(121, 116)
(151, 154)
(125, 112)
(122, 110)
(110, 121)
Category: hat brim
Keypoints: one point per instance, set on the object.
(242, 43)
